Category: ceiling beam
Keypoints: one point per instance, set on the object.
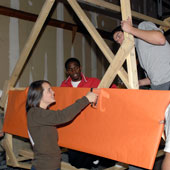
(110, 6)
(51, 22)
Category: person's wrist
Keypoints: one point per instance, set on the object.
(131, 30)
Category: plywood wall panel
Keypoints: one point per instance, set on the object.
(4, 48)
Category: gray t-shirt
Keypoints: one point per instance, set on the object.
(154, 59)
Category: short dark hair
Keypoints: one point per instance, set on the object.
(71, 60)
(119, 28)
(35, 93)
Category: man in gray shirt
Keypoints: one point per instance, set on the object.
(153, 52)
(154, 56)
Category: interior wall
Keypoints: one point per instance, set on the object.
(4, 45)
(53, 47)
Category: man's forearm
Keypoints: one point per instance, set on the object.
(150, 36)
(144, 82)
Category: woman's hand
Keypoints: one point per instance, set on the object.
(92, 97)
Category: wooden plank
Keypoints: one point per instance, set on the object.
(104, 4)
(18, 88)
(92, 30)
(11, 159)
(160, 153)
(96, 36)
(4, 94)
(131, 59)
(22, 158)
(121, 166)
(116, 64)
(8, 146)
(116, 168)
(26, 153)
(67, 166)
(28, 46)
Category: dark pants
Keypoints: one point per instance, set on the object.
(81, 159)
(84, 160)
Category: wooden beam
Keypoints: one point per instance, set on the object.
(131, 59)
(26, 153)
(7, 145)
(160, 153)
(51, 22)
(67, 166)
(28, 46)
(116, 64)
(96, 36)
(107, 5)
(4, 94)
(92, 30)
(121, 166)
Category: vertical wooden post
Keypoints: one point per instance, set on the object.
(131, 59)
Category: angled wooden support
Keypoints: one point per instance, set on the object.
(67, 166)
(131, 59)
(121, 166)
(91, 29)
(97, 38)
(10, 157)
(27, 153)
(116, 64)
(28, 47)
(4, 94)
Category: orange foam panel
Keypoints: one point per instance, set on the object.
(125, 126)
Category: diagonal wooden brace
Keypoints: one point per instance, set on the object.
(97, 38)
(116, 64)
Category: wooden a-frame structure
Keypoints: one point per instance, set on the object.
(125, 52)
